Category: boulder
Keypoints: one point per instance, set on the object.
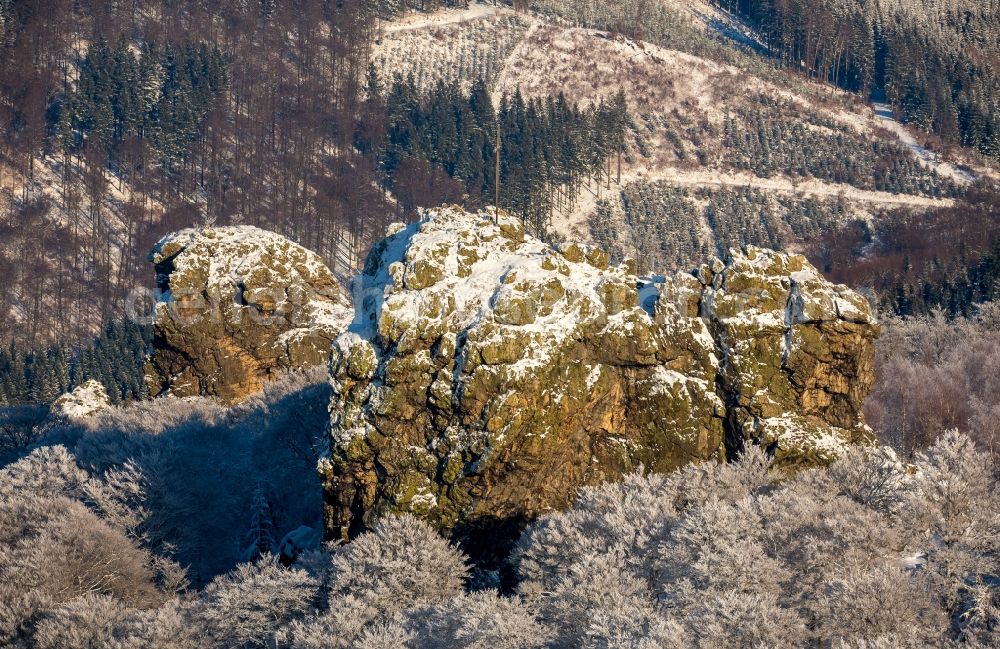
(235, 305)
(488, 375)
(87, 400)
(796, 355)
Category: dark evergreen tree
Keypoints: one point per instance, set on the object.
(259, 539)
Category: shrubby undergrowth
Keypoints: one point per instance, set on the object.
(936, 373)
(206, 485)
(866, 553)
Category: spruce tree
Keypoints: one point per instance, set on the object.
(259, 539)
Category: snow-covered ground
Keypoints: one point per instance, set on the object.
(111, 228)
(416, 21)
(725, 24)
(451, 46)
(543, 57)
(886, 119)
(516, 55)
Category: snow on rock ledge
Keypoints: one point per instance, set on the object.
(488, 375)
(235, 305)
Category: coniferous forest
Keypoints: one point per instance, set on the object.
(151, 118)
(141, 120)
(935, 63)
(921, 261)
(548, 149)
(114, 359)
(154, 117)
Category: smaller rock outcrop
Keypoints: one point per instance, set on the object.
(86, 400)
(236, 305)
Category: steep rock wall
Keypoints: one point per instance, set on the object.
(488, 375)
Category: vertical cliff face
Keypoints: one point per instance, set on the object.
(796, 354)
(234, 306)
(489, 375)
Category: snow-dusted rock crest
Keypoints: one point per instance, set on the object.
(234, 306)
(488, 375)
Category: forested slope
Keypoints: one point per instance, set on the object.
(326, 121)
(727, 121)
(936, 62)
(119, 125)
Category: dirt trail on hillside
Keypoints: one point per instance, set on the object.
(575, 223)
(815, 188)
(885, 117)
(498, 87)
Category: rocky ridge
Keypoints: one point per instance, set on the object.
(234, 306)
(488, 375)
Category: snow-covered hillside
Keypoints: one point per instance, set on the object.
(692, 117)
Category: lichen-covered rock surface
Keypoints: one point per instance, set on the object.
(234, 306)
(489, 375)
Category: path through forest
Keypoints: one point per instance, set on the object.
(886, 118)
(574, 224)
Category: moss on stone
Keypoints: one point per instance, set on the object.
(511, 228)
(423, 273)
(361, 361)
(617, 295)
(572, 252)
(597, 258)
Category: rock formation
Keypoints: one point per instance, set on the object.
(86, 400)
(234, 306)
(488, 375)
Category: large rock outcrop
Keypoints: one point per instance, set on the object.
(489, 375)
(234, 306)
